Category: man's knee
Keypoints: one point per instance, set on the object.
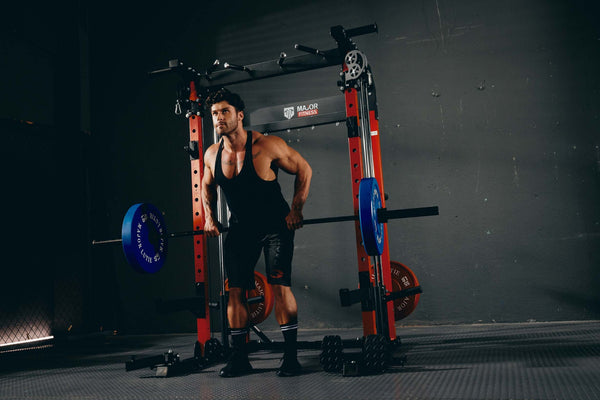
(236, 295)
(281, 291)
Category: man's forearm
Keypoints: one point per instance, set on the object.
(209, 196)
(301, 188)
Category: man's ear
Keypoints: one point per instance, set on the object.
(240, 115)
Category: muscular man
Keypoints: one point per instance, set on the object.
(245, 164)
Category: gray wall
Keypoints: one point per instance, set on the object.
(487, 109)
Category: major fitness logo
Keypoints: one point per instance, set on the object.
(288, 112)
(304, 110)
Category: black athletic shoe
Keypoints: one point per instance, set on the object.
(289, 367)
(237, 365)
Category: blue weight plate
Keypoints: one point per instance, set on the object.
(369, 201)
(144, 235)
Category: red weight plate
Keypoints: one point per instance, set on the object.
(403, 278)
(258, 312)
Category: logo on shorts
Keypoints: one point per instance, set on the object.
(288, 112)
(276, 274)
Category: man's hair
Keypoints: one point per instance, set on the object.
(225, 95)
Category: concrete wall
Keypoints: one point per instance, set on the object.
(487, 109)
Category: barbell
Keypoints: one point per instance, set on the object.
(144, 234)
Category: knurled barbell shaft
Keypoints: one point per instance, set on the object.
(383, 215)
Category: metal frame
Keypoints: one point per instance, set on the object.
(364, 151)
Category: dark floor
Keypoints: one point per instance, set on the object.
(499, 361)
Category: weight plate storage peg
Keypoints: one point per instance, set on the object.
(403, 278)
(369, 201)
(144, 237)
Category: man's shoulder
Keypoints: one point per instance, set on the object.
(266, 140)
(211, 151)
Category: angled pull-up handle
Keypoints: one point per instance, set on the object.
(362, 30)
(343, 36)
(236, 67)
(309, 50)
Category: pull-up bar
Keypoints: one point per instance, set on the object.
(229, 74)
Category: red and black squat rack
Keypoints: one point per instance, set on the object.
(361, 118)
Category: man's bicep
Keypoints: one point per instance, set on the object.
(290, 160)
(209, 186)
(208, 176)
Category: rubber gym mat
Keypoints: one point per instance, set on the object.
(498, 361)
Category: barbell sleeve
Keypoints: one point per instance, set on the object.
(383, 215)
(109, 241)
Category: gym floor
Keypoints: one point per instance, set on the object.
(559, 360)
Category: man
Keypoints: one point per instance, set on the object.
(245, 164)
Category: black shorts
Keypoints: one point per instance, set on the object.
(241, 252)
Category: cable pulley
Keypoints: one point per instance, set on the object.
(356, 62)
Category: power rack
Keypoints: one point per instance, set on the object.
(356, 82)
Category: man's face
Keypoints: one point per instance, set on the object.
(225, 117)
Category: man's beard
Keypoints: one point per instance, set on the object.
(222, 130)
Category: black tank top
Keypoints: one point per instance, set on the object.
(253, 202)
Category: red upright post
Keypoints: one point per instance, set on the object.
(365, 268)
(385, 255)
(200, 249)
